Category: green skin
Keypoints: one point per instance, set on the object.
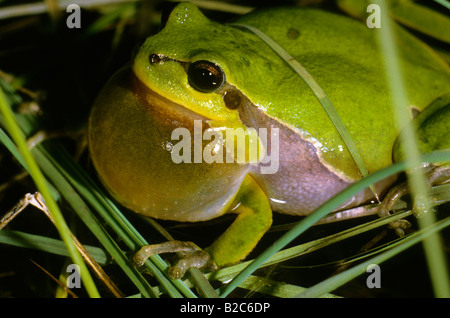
(134, 115)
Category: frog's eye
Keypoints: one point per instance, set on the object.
(206, 77)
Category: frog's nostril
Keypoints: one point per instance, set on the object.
(154, 58)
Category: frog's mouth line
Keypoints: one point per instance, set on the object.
(232, 97)
(154, 100)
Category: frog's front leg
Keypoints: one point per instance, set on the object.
(254, 217)
(388, 202)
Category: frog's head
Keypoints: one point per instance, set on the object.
(201, 65)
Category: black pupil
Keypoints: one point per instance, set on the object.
(205, 76)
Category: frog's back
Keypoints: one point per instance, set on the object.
(342, 56)
(335, 40)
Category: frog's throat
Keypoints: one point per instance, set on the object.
(125, 115)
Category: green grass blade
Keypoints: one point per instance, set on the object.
(274, 288)
(48, 244)
(226, 274)
(77, 188)
(416, 178)
(83, 211)
(65, 174)
(79, 206)
(443, 3)
(9, 144)
(307, 222)
(334, 282)
(112, 215)
(41, 184)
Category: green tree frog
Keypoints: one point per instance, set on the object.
(202, 76)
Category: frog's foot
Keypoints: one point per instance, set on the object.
(192, 256)
(435, 175)
(388, 202)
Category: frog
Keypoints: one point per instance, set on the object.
(203, 77)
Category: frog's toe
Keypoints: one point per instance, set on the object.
(388, 202)
(191, 256)
(197, 259)
(400, 226)
(435, 175)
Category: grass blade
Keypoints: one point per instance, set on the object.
(48, 244)
(41, 184)
(416, 178)
(334, 282)
(307, 222)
